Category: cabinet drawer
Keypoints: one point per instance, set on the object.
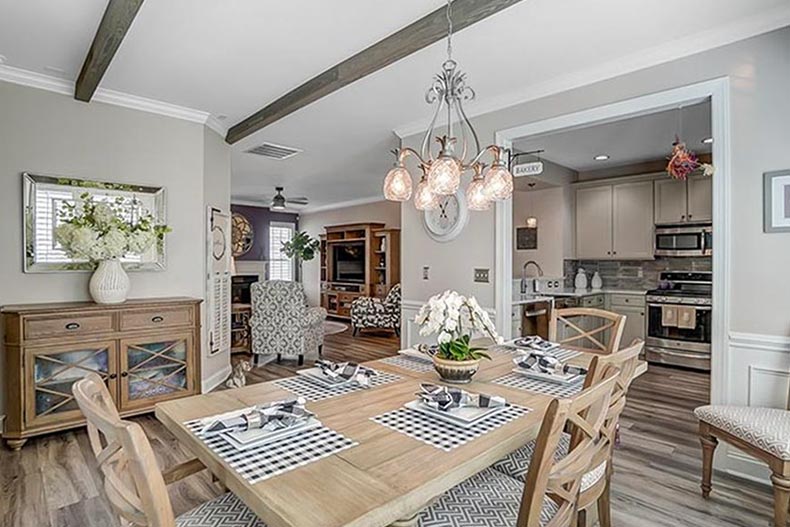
(593, 301)
(618, 300)
(64, 325)
(157, 318)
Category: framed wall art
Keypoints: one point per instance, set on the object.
(776, 201)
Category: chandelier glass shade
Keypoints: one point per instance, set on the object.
(459, 148)
(424, 198)
(397, 185)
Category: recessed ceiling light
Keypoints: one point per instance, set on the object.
(707, 141)
(601, 157)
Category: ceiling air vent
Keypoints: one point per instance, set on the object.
(273, 151)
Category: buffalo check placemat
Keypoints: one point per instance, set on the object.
(409, 363)
(522, 382)
(268, 460)
(441, 434)
(312, 391)
(561, 354)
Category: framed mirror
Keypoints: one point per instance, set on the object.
(45, 196)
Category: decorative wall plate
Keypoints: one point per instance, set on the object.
(446, 222)
(242, 236)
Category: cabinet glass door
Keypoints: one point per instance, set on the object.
(155, 369)
(53, 371)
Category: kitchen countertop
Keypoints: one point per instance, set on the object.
(544, 296)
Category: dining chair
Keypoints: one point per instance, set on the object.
(548, 495)
(596, 483)
(586, 328)
(763, 433)
(133, 482)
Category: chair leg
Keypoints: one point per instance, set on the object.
(605, 507)
(354, 333)
(301, 360)
(397, 331)
(709, 444)
(320, 350)
(279, 358)
(781, 499)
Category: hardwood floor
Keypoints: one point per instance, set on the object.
(53, 481)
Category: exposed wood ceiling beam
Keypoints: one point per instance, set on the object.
(113, 27)
(414, 37)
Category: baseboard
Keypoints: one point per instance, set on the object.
(215, 380)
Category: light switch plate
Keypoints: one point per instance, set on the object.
(425, 271)
(481, 275)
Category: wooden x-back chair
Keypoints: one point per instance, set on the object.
(589, 329)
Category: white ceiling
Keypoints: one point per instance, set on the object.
(232, 58)
(627, 141)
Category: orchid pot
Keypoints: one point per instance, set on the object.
(455, 318)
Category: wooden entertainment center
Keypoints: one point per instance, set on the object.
(370, 268)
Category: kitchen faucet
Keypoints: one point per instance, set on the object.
(524, 274)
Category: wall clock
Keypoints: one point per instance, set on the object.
(242, 234)
(445, 222)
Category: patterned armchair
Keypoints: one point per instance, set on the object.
(368, 312)
(282, 324)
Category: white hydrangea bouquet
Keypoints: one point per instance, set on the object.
(103, 232)
(106, 230)
(455, 318)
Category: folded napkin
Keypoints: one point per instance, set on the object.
(428, 350)
(445, 398)
(547, 364)
(535, 342)
(347, 371)
(270, 417)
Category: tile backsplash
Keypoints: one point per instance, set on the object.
(630, 274)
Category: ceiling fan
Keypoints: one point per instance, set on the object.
(279, 201)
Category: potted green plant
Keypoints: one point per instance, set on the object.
(455, 318)
(302, 247)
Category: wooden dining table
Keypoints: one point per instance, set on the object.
(388, 477)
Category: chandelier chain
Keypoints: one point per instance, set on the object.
(449, 29)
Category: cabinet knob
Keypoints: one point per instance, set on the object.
(683, 217)
(157, 319)
(689, 216)
(113, 375)
(124, 374)
(71, 326)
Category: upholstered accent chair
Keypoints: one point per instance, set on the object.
(374, 313)
(282, 324)
(135, 486)
(763, 433)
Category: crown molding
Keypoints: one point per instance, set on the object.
(65, 87)
(691, 45)
(342, 205)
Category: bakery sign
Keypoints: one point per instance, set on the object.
(528, 169)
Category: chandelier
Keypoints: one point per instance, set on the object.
(441, 172)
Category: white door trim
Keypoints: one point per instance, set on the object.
(718, 90)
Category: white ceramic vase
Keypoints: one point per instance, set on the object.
(109, 283)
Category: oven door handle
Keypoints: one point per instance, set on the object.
(664, 351)
(698, 308)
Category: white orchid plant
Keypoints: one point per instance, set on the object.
(455, 318)
(105, 230)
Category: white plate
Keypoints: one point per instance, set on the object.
(458, 416)
(565, 379)
(255, 438)
(315, 374)
(415, 354)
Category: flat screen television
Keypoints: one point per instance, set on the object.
(348, 262)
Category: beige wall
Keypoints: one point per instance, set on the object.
(48, 133)
(385, 212)
(552, 209)
(759, 72)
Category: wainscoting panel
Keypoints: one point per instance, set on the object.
(411, 331)
(759, 375)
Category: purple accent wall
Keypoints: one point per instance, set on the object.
(260, 217)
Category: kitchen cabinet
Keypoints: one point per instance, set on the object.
(633, 308)
(615, 221)
(678, 201)
(594, 222)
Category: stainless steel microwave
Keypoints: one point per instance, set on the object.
(685, 240)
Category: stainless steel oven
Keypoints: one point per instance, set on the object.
(672, 341)
(686, 240)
